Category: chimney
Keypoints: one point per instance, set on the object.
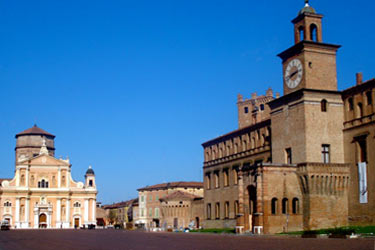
(359, 77)
(254, 95)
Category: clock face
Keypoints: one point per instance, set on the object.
(293, 73)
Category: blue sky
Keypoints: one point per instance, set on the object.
(134, 87)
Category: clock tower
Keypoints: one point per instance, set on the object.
(309, 63)
(309, 117)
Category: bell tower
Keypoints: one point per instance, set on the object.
(309, 63)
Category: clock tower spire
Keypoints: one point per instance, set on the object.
(309, 63)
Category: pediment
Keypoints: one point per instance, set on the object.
(44, 160)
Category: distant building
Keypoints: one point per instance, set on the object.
(302, 161)
(150, 214)
(181, 210)
(119, 213)
(42, 193)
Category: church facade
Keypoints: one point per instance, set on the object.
(301, 161)
(42, 193)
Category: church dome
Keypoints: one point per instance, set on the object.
(35, 130)
(307, 9)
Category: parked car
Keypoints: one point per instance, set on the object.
(4, 225)
(91, 226)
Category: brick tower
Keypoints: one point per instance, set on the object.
(309, 63)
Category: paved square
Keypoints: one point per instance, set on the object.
(119, 239)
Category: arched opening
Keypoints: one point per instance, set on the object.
(252, 207)
(295, 206)
(301, 32)
(274, 206)
(323, 105)
(285, 205)
(252, 199)
(197, 225)
(42, 221)
(314, 32)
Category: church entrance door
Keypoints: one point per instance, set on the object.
(42, 221)
(76, 222)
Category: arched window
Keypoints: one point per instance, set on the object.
(295, 206)
(262, 107)
(323, 105)
(301, 32)
(43, 184)
(208, 211)
(246, 110)
(274, 206)
(90, 183)
(217, 210)
(359, 110)
(313, 32)
(7, 204)
(244, 145)
(226, 210)
(285, 205)
(77, 204)
(369, 97)
(236, 208)
(350, 104)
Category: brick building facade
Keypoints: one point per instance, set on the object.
(156, 200)
(301, 161)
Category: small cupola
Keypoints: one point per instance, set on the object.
(90, 178)
(307, 9)
(90, 171)
(308, 25)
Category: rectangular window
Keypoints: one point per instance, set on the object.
(246, 110)
(150, 198)
(150, 212)
(325, 153)
(156, 197)
(362, 157)
(288, 153)
(226, 210)
(226, 177)
(208, 181)
(217, 211)
(208, 211)
(217, 180)
(142, 212)
(142, 198)
(156, 212)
